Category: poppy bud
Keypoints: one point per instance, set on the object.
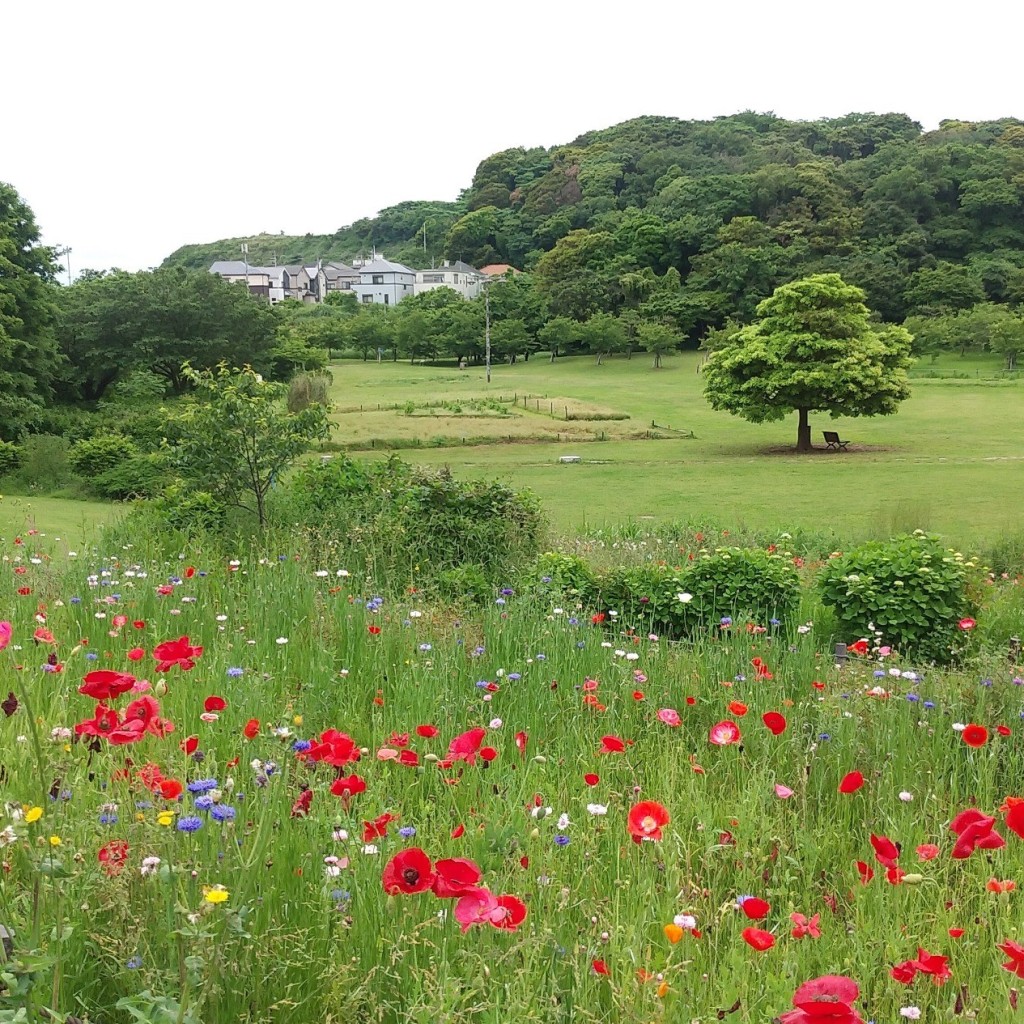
(160, 688)
(535, 834)
(540, 759)
(913, 879)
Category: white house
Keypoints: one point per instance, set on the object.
(339, 277)
(307, 284)
(458, 276)
(384, 282)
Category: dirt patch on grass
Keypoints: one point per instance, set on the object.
(851, 449)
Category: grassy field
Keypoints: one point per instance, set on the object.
(949, 460)
(60, 519)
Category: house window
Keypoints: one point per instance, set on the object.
(386, 303)
(378, 278)
(433, 278)
(367, 299)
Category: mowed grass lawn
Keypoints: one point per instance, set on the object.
(59, 519)
(951, 459)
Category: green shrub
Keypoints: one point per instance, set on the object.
(741, 584)
(306, 389)
(568, 574)
(44, 463)
(10, 457)
(140, 386)
(911, 590)
(141, 476)
(191, 512)
(95, 456)
(464, 583)
(406, 522)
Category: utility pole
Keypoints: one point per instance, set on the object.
(245, 257)
(64, 250)
(487, 330)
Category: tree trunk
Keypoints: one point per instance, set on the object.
(803, 433)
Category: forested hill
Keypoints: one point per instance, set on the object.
(737, 205)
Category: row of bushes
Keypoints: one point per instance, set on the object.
(910, 593)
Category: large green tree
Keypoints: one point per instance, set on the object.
(812, 348)
(28, 354)
(157, 321)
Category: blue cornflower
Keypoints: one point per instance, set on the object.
(541, 657)
(235, 672)
(507, 591)
(726, 620)
(580, 645)
(75, 600)
(91, 656)
(426, 647)
(512, 676)
(561, 840)
(774, 622)
(929, 704)
(545, 579)
(222, 812)
(879, 673)
(913, 698)
(204, 803)
(573, 621)
(202, 785)
(499, 600)
(824, 737)
(482, 684)
(189, 824)
(986, 682)
(270, 767)
(407, 831)
(134, 963)
(108, 818)
(300, 746)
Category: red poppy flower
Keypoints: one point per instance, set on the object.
(775, 723)
(995, 885)
(170, 789)
(105, 684)
(599, 967)
(104, 721)
(934, 965)
(333, 748)
(670, 717)
(904, 973)
(927, 851)
(464, 747)
(521, 740)
(176, 652)
(348, 786)
(860, 647)
(758, 939)
(895, 875)
(214, 704)
(113, 856)
(755, 909)
(511, 913)
(646, 820)
(1013, 808)
(852, 781)
(804, 928)
(251, 729)
(611, 745)
(189, 745)
(300, 809)
(886, 851)
(190, 572)
(975, 736)
(723, 734)
(1004, 730)
(407, 872)
(1015, 951)
(409, 758)
(737, 708)
(454, 877)
(378, 828)
(373, 630)
(488, 754)
(139, 624)
(638, 695)
(967, 624)
(458, 832)
(592, 780)
(136, 654)
(825, 1000)
(428, 732)
(975, 831)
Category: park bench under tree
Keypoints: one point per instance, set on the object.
(832, 440)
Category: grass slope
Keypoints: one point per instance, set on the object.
(949, 460)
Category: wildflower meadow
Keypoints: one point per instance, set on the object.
(255, 788)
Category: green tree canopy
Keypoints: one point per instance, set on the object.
(28, 355)
(812, 348)
(236, 438)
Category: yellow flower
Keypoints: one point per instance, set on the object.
(165, 817)
(33, 814)
(297, 720)
(55, 840)
(217, 894)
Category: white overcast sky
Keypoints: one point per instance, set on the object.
(135, 127)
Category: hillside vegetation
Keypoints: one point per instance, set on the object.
(923, 221)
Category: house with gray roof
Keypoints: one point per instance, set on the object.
(383, 282)
(467, 281)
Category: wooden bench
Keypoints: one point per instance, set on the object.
(832, 440)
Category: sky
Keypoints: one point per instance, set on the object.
(134, 128)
